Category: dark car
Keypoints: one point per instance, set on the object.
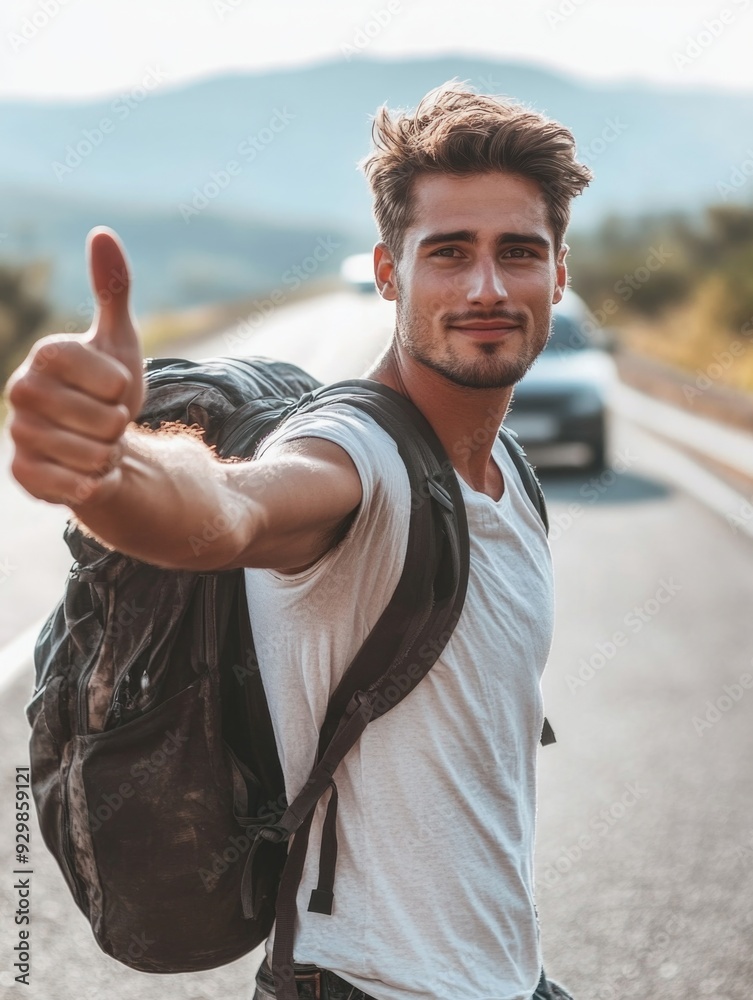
(559, 409)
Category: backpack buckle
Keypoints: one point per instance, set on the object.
(274, 834)
(440, 494)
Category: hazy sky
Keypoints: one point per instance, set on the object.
(74, 48)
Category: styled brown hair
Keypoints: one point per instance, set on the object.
(456, 130)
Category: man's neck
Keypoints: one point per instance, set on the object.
(465, 420)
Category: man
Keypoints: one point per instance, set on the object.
(436, 824)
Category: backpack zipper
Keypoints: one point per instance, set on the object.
(81, 721)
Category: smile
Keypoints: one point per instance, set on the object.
(485, 331)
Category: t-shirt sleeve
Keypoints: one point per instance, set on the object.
(385, 503)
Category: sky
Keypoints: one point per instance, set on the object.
(74, 49)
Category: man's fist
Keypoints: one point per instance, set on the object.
(74, 395)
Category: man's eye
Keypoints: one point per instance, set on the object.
(445, 251)
(520, 250)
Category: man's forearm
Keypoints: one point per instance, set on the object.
(175, 506)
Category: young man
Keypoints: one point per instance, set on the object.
(435, 891)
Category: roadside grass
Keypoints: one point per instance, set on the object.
(690, 338)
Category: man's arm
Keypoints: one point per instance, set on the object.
(161, 497)
(181, 507)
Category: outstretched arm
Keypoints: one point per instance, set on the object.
(161, 497)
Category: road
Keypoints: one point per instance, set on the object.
(645, 823)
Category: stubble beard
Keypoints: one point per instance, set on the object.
(492, 368)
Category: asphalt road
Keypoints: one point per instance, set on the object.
(645, 831)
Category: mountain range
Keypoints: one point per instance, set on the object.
(221, 186)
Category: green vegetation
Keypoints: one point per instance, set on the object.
(25, 316)
(676, 288)
(23, 310)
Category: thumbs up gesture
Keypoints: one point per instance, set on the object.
(75, 394)
(112, 331)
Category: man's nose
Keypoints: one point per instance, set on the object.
(487, 285)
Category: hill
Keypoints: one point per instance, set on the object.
(225, 182)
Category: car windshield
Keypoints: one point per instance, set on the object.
(567, 335)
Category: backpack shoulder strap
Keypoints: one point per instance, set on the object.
(525, 470)
(536, 494)
(398, 652)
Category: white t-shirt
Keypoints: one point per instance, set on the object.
(434, 893)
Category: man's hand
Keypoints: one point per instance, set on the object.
(163, 498)
(74, 395)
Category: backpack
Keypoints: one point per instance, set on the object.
(154, 768)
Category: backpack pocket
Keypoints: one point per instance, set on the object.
(150, 806)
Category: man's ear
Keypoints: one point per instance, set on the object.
(384, 272)
(561, 274)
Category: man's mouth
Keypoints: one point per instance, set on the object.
(486, 329)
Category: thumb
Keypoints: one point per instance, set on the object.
(112, 330)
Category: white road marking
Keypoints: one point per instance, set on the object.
(727, 445)
(697, 482)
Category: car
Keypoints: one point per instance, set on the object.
(560, 408)
(357, 271)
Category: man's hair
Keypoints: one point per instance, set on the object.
(454, 130)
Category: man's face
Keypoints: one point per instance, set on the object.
(477, 278)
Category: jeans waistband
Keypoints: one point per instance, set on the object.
(321, 984)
